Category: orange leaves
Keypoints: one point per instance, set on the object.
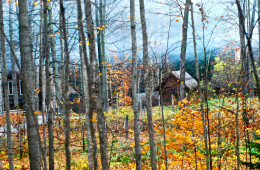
(93, 120)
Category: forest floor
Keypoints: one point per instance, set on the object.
(121, 150)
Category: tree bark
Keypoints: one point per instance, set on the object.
(28, 86)
(148, 84)
(97, 90)
(6, 91)
(65, 86)
(138, 154)
(183, 49)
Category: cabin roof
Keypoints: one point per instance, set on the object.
(190, 82)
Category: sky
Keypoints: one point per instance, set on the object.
(164, 25)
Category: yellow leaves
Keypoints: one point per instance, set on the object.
(138, 49)
(185, 101)
(77, 101)
(126, 54)
(93, 120)
(258, 132)
(126, 59)
(130, 61)
(129, 17)
(132, 145)
(100, 74)
(87, 42)
(37, 112)
(109, 65)
(177, 20)
(155, 43)
(50, 35)
(35, 3)
(131, 131)
(179, 103)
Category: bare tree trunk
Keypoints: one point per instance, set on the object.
(14, 77)
(97, 90)
(56, 77)
(85, 84)
(237, 133)
(138, 154)
(148, 84)
(199, 88)
(66, 87)
(6, 91)
(183, 49)
(41, 95)
(28, 86)
(48, 84)
(103, 55)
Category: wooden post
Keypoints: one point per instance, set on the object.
(20, 142)
(172, 103)
(117, 101)
(126, 127)
(141, 124)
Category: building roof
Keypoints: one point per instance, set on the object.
(190, 82)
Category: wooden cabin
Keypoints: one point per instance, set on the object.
(11, 89)
(170, 86)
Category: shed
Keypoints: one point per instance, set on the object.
(171, 85)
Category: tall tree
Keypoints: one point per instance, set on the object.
(199, 87)
(28, 86)
(102, 57)
(97, 91)
(65, 84)
(56, 77)
(183, 48)
(86, 87)
(138, 155)
(6, 90)
(148, 85)
(48, 84)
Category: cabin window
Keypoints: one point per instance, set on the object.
(10, 87)
(21, 89)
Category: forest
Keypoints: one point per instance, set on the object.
(130, 84)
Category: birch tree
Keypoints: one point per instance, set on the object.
(134, 88)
